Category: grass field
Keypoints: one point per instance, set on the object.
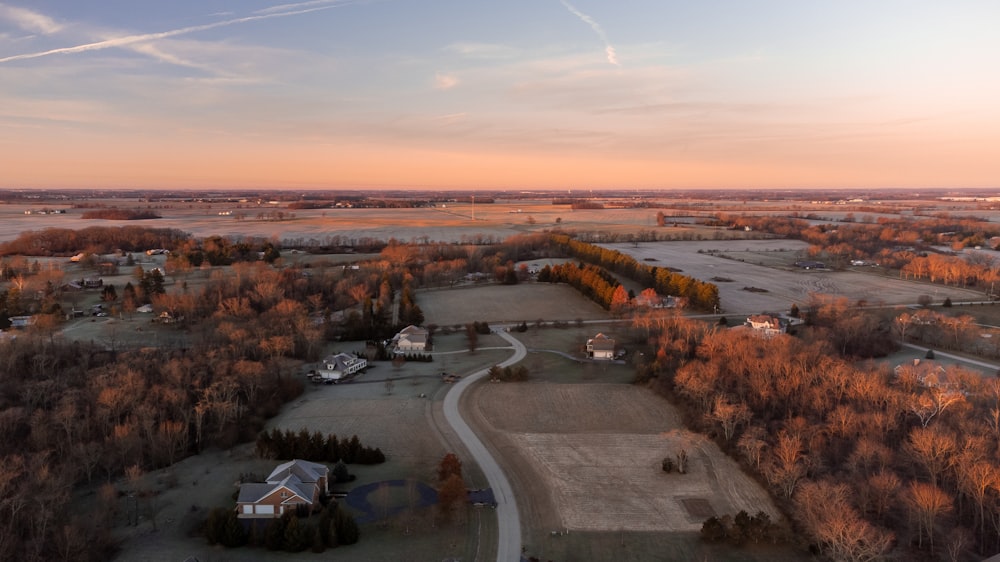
(451, 222)
(764, 266)
(507, 303)
(583, 447)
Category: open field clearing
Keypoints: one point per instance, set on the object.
(506, 303)
(583, 448)
(451, 222)
(784, 286)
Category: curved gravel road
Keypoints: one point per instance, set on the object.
(509, 541)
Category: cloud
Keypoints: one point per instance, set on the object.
(609, 49)
(300, 5)
(482, 50)
(130, 40)
(29, 20)
(445, 81)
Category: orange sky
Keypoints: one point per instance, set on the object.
(348, 93)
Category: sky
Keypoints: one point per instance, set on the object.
(479, 94)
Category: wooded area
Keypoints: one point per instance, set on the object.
(865, 460)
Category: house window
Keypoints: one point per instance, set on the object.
(284, 495)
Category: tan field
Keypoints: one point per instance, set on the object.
(764, 264)
(450, 222)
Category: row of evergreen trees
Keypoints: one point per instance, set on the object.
(334, 527)
(314, 447)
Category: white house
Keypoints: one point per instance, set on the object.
(411, 338)
(291, 484)
(601, 347)
(336, 367)
(767, 325)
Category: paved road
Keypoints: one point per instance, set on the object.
(509, 542)
(968, 360)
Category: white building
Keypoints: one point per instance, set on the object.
(411, 338)
(336, 367)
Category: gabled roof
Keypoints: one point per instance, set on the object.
(771, 321)
(601, 342)
(297, 487)
(340, 361)
(306, 471)
(412, 334)
(254, 492)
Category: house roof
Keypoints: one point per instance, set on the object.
(412, 334)
(602, 343)
(297, 476)
(340, 361)
(770, 321)
(254, 492)
(306, 471)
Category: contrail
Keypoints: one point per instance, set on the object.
(609, 49)
(132, 39)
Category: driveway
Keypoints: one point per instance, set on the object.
(509, 541)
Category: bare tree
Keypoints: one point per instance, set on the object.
(825, 510)
(927, 502)
(933, 448)
(729, 415)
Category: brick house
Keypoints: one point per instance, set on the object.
(289, 485)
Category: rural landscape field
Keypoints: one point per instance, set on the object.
(637, 378)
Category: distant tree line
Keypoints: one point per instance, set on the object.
(699, 294)
(119, 214)
(94, 239)
(288, 444)
(592, 281)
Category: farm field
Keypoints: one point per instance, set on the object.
(451, 222)
(507, 303)
(585, 451)
(784, 286)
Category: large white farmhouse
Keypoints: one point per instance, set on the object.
(336, 367)
(411, 338)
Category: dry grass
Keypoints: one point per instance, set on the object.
(784, 286)
(506, 303)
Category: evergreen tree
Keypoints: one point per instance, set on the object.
(345, 528)
(298, 536)
(274, 534)
(340, 473)
(233, 534)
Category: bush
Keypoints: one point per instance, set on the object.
(737, 531)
